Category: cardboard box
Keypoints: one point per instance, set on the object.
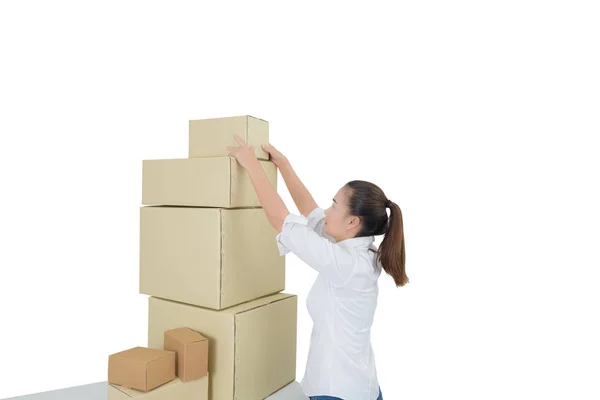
(174, 390)
(141, 368)
(253, 345)
(210, 182)
(209, 257)
(192, 352)
(210, 137)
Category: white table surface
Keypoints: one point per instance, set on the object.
(98, 391)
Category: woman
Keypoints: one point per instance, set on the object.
(337, 243)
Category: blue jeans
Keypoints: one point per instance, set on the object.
(337, 398)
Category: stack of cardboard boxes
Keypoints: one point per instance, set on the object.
(210, 262)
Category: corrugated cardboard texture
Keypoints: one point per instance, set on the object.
(271, 329)
(192, 352)
(180, 255)
(276, 363)
(209, 257)
(195, 360)
(210, 182)
(174, 390)
(210, 137)
(251, 266)
(141, 368)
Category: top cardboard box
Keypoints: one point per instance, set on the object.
(210, 137)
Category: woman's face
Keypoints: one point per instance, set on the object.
(338, 224)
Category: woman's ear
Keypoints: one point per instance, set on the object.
(354, 221)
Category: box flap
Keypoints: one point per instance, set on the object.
(142, 354)
(185, 335)
(257, 118)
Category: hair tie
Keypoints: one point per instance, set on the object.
(388, 202)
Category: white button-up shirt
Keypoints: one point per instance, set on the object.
(341, 303)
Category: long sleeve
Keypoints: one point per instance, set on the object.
(334, 262)
(316, 221)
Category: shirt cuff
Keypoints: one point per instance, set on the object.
(315, 216)
(289, 219)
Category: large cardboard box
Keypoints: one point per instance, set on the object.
(253, 345)
(209, 257)
(211, 182)
(174, 390)
(210, 137)
(192, 352)
(141, 368)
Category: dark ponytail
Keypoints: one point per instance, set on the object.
(367, 201)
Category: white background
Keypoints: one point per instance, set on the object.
(480, 119)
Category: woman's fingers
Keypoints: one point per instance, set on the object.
(269, 147)
(240, 140)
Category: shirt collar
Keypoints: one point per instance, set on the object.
(363, 241)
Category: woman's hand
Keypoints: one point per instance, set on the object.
(244, 154)
(275, 155)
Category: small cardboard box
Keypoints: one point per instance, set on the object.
(209, 257)
(192, 352)
(173, 390)
(210, 137)
(207, 182)
(253, 345)
(141, 368)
